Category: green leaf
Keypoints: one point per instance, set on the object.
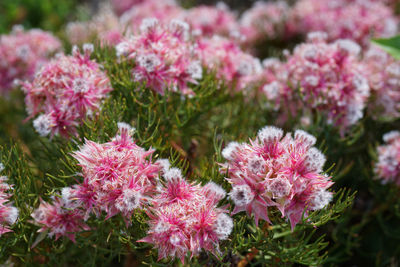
(390, 45)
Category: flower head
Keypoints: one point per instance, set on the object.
(388, 166)
(8, 213)
(65, 91)
(277, 171)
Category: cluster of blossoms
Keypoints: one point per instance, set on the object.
(8, 213)
(164, 11)
(277, 171)
(65, 91)
(164, 56)
(119, 176)
(357, 20)
(185, 217)
(22, 53)
(388, 166)
(265, 20)
(383, 73)
(326, 77)
(211, 20)
(230, 63)
(105, 26)
(60, 218)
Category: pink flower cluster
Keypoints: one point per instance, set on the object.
(265, 20)
(8, 213)
(388, 166)
(65, 91)
(61, 218)
(231, 64)
(358, 20)
(22, 53)
(211, 20)
(383, 73)
(277, 171)
(118, 176)
(325, 77)
(164, 11)
(105, 26)
(185, 217)
(164, 56)
(120, 6)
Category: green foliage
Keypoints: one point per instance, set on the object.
(390, 45)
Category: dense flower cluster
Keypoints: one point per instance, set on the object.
(164, 56)
(276, 171)
(185, 218)
(388, 166)
(211, 20)
(105, 26)
(357, 20)
(119, 176)
(326, 77)
(60, 218)
(65, 91)
(265, 20)
(22, 53)
(164, 11)
(8, 213)
(383, 73)
(231, 64)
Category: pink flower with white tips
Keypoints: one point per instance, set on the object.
(357, 20)
(277, 171)
(118, 176)
(8, 213)
(163, 56)
(388, 166)
(325, 77)
(65, 91)
(61, 218)
(22, 53)
(384, 79)
(231, 64)
(211, 20)
(185, 218)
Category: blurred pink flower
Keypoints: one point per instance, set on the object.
(388, 166)
(8, 213)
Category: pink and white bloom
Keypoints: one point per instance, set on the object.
(8, 213)
(357, 20)
(119, 176)
(388, 166)
(279, 171)
(22, 53)
(184, 217)
(383, 73)
(65, 91)
(60, 218)
(164, 56)
(324, 77)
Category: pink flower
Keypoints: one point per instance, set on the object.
(22, 53)
(357, 20)
(61, 218)
(120, 6)
(8, 213)
(118, 176)
(277, 171)
(211, 20)
(231, 64)
(163, 56)
(265, 20)
(185, 218)
(65, 91)
(324, 77)
(164, 11)
(105, 26)
(383, 73)
(388, 166)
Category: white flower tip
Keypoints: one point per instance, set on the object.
(216, 190)
(314, 160)
(173, 174)
(1, 167)
(305, 138)
(125, 127)
(270, 134)
(43, 125)
(229, 150)
(348, 46)
(321, 199)
(12, 215)
(241, 195)
(317, 36)
(391, 136)
(164, 164)
(88, 48)
(148, 23)
(223, 226)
